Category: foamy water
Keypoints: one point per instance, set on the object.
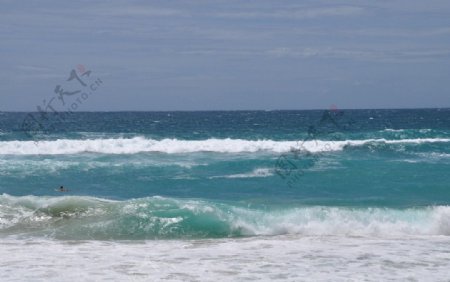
(172, 146)
(279, 258)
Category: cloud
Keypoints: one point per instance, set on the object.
(148, 47)
(298, 13)
(33, 68)
(361, 54)
(392, 32)
(147, 11)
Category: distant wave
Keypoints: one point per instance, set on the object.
(172, 146)
(157, 217)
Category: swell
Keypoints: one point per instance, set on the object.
(174, 146)
(82, 218)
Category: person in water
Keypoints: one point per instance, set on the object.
(62, 189)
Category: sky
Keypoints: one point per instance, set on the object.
(225, 55)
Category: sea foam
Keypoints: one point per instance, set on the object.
(173, 146)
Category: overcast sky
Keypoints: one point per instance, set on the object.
(230, 55)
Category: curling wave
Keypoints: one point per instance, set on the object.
(81, 218)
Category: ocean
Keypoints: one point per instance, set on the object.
(320, 195)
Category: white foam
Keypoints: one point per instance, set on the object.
(26, 167)
(283, 258)
(258, 172)
(310, 221)
(173, 146)
(433, 155)
(313, 221)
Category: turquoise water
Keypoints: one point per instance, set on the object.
(183, 175)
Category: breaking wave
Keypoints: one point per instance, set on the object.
(173, 146)
(82, 218)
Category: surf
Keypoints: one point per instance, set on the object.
(175, 146)
(91, 218)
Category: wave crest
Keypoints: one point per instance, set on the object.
(173, 146)
(162, 218)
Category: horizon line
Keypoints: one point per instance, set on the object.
(244, 110)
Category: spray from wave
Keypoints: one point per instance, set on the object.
(174, 146)
(81, 218)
